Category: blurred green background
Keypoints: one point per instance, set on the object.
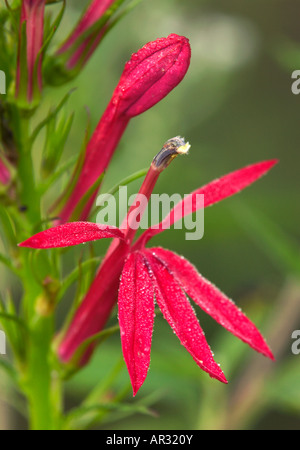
(235, 107)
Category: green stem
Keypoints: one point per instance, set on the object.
(38, 381)
(38, 377)
(56, 400)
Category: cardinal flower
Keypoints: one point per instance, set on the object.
(148, 77)
(150, 275)
(29, 67)
(5, 175)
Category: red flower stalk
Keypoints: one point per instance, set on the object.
(29, 66)
(5, 175)
(148, 77)
(87, 34)
(160, 273)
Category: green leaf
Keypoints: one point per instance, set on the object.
(54, 177)
(86, 198)
(55, 140)
(7, 262)
(52, 114)
(14, 13)
(84, 417)
(43, 187)
(53, 27)
(4, 317)
(8, 226)
(14, 327)
(96, 338)
(74, 365)
(105, 384)
(61, 200)
(74, 275)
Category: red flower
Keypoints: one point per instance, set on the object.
(156, 273)
(29, 67)
(5, 175)
(148, 77)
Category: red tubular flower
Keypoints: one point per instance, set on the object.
(86, 36)
(160, 273)
(5, 175)
(148, 77)
(29, 67)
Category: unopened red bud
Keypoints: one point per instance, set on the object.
(152, 73)
(29, 65)
(148, 77)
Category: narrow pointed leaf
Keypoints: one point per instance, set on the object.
(53, 27)
(63, 168)
(213, 301)
(213, 192)
(12, 318)
(72, 233)
(136, 318)
(72, 277)
(179, 313)
(8, 263)
(75, 364)
(52, 115)
(8, 226)
(85, 416)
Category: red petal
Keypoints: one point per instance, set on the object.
(213, 192)
(72, 233)
(136, 317)
(181, 317)
(212, 301)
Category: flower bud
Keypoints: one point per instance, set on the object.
(75, 52)
(148, 77)
(29, 65)
(152, 73)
